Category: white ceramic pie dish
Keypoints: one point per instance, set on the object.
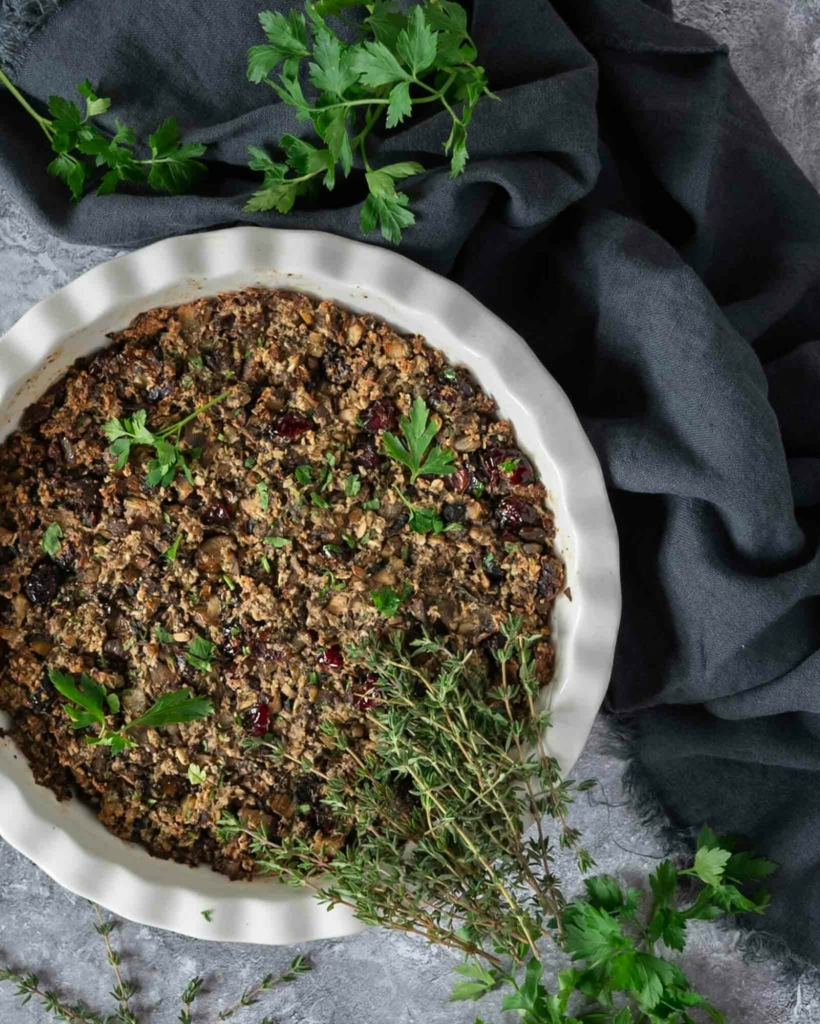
(66, 840)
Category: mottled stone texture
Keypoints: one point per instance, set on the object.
(380, 978)
(775, 49)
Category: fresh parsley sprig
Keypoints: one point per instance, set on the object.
(401, 61)
(419, 431)
(83, 149)
(170, 458)
(90, 704)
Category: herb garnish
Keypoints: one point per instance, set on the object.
(263, 493)
(444, 855)
(403, 60)
(425, 520)
(250, 996)
(90, 704)
(200, 653)
(132, 430)
(353, 484)
(419, 430)
(304, 475)
(387, 601)
(172, 167)
(52, 536)
(173, 550)
(197, 776)
(163, 635)
(277, 542)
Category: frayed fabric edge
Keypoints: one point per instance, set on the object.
(756, 945)
(19, 21)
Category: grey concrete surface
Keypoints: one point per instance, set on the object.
(378, 977)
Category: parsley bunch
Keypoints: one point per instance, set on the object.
(83, 149)
(401, 61)
(170, 459)
(89, 704)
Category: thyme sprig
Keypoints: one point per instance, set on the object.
(298, 967)
(437, 849)
(123, 990)
(28, 988)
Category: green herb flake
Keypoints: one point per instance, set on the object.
(250, 462)
(318, 500)
(163, 635)
(372, 505)
(277, 542)
(196, 775)
(304, 475)
(353, 484)
(387, 601)
(208, 915)
(265, 563)
(52, 536)
(173, 550)
(263, 493)
(200, 653)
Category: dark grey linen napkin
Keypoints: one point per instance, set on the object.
(627, 209)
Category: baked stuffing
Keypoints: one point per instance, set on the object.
(286, 534)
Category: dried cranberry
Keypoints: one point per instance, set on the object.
(461, 480)
(216, 515)
(502, 465)
(43, 583)
(292, 425)
(331, 657)
(512, 513)
(454, 512)
(369, 696)
(259, 719)
(381, 415)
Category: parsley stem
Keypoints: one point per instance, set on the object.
(197, 412)
(372, 118)
(437, 94)
(44, 122)
(356, 103)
